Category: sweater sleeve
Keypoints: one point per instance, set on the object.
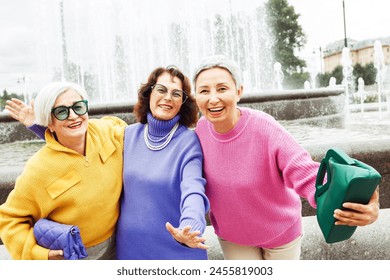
(194, 203)
(298, 169)
(38, 130)
(118, 127)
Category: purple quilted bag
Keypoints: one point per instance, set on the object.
(56, 236)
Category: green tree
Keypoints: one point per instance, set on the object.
(289, 38)
(322, 80)
(297, 80)
(366, 72)
(338, 74)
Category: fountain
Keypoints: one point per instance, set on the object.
(379, 63)
(307, 85)
(278, 76)
(346, 62)
(361, 93)
(332, 82)
(104, 45)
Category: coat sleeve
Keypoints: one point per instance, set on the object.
(16, 223)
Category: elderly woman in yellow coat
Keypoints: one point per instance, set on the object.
(75, 179)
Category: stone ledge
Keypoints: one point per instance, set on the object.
(368, 243)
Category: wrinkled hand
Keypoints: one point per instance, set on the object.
(20, 111)
(359, 214)
(185, 236)
(56, 255)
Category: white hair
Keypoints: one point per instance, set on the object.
(46, 98)
(219, 61)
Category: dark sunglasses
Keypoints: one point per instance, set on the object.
(62, 112)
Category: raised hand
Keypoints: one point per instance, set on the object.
(20, 111)
(185, 236)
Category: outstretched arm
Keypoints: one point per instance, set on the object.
(20, 111)
(185, 236)
(359, 214)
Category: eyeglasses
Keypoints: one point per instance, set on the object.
(62, 112)
(177, 95)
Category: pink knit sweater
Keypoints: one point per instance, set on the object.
(255, 176)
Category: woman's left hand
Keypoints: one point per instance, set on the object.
(21, 111)
(185, 236)
(359, 214)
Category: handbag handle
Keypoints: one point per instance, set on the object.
(320, 188)
(340, 157)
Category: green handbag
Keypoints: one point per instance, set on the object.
(348, 180)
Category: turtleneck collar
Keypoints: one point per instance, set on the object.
(160, 128)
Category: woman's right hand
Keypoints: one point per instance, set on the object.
(20, 111)
(190, 238)
(56, 255)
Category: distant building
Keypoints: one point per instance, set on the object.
(361, 52)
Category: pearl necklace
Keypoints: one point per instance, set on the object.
(162, 145)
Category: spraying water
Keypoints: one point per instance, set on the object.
(379, 63)
(110, 47)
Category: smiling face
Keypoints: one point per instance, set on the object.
(163, 106)
(72, 130)
(217, 97)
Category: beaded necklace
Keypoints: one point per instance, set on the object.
(162, 145)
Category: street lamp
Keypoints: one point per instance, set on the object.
(345, 27)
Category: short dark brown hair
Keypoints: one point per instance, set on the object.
(188, 110)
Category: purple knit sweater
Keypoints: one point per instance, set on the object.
(255, 176)
(160, 186)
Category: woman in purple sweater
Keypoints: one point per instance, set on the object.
(256, 172)
(162, 174)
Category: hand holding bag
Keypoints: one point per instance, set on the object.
(56, 236)
(348, 180)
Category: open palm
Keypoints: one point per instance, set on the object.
(20, 111)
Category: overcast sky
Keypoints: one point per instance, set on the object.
(322, 20)
(24, 36)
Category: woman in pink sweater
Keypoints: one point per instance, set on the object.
(256, 172)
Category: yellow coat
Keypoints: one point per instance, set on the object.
(59, 184)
